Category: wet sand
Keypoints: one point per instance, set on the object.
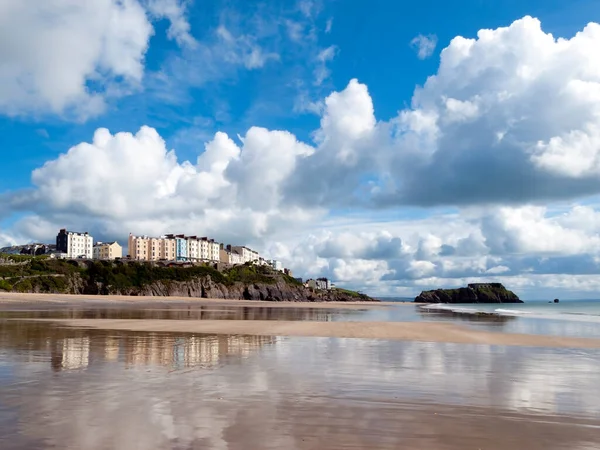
(98, 386)
(403, 331)
(397, 425)
(101, 390)
(73, 300)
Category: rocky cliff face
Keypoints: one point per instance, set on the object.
(205, 287)
(476, 293)
(243, 282)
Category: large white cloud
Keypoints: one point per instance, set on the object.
(126, 182)
(510, 116)
(529, 248)
(508, 119)
(66, 57)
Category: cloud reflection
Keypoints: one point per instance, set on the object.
(106, 390)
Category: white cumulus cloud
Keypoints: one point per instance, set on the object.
(176, 12)
(508, 123)
(424, 45)
(64, 57)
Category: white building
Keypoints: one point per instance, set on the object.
(231, 257)
(323, 283)
(235, 258)
(202, 249)
(276, 265)
(193, 251)
(209, 249)
(248, 255)
(74, 245)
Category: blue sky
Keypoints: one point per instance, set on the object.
(441, 183)
(373, 40)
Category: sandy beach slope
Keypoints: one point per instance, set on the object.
(107, 300)
(406, 331)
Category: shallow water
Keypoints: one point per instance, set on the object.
(546, 325)
(173, 312)
(568, 318)
(66, 388)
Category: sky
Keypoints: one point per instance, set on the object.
(390, 146)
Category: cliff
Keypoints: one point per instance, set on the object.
(473, 293)
(246, 282)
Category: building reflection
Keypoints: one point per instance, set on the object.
(77, 349)
(75, 353)
(183, 312)
(111, 348)
(188, 351)
(70, 353)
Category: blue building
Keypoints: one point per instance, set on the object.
(181, 249)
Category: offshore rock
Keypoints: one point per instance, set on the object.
(473, 293)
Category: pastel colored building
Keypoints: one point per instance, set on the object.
(181, 248)
(139, 248)
(173, 248)
(107, 250)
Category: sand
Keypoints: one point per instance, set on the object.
(107, 300)
(402, 331)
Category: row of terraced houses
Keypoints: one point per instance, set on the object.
(169, 247)
(179, 247)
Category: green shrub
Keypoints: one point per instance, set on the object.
(10, 270)
(51, 284)
(120, 276)
(5, 286)
(291, 280)
(23, 286)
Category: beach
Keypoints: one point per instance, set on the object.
(76, 300)
(115, 373)
(410, 331)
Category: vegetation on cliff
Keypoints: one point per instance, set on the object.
(39, 274)
(473, 293)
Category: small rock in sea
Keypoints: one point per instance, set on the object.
(555, 300)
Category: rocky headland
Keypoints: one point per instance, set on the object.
(473, 293)
(245, 282)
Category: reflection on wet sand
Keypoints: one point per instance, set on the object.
(457, 316)
(74, 353)
(99, 390)
(182, 312)
(76, 349)
(185, 352)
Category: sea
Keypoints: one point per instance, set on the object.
(572, 310)
(574, 318)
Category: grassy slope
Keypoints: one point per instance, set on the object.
(52, 275)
